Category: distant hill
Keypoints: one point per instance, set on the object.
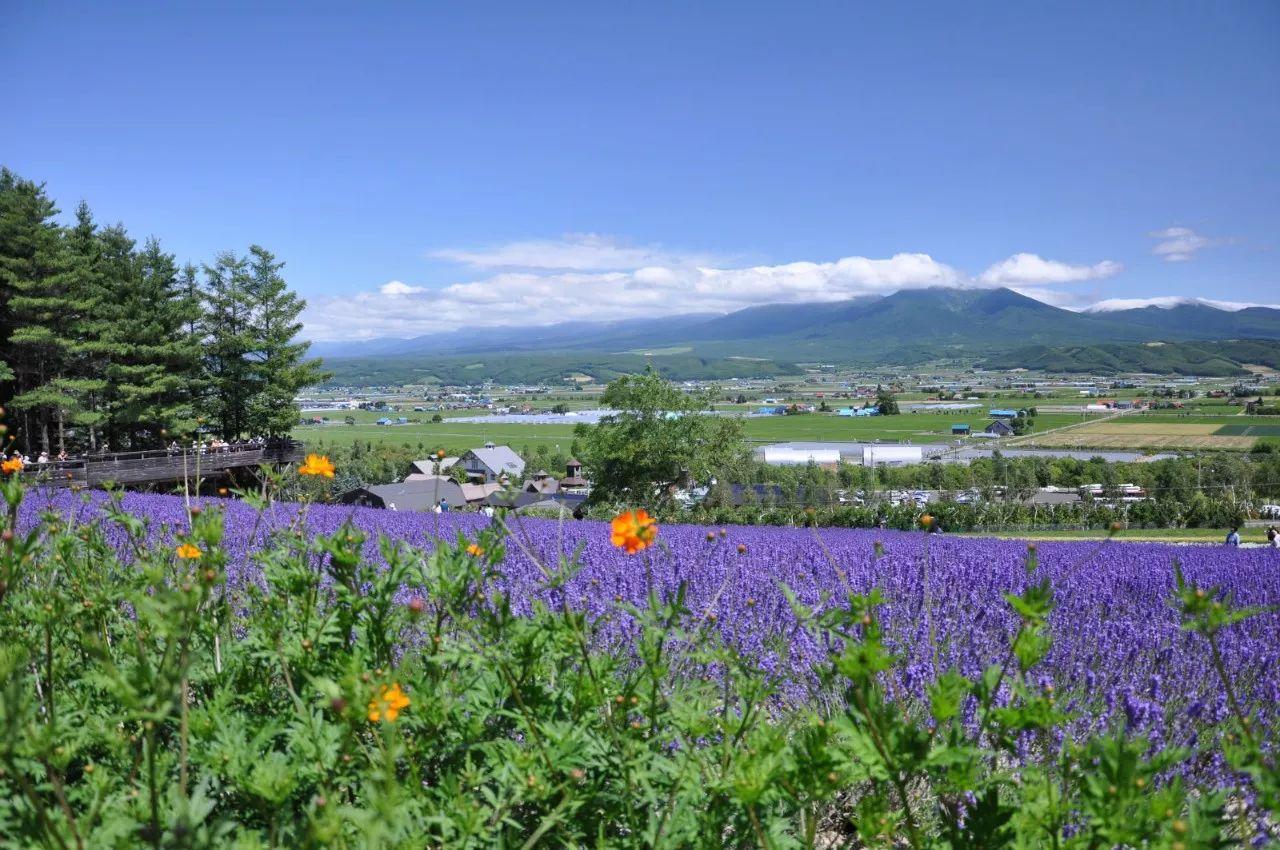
(557, 369)
(1207, 359)
(1202, 321)
(907, 328)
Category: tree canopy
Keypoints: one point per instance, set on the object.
(108, 344)
(658, 438)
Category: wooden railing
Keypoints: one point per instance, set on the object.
(162, 464)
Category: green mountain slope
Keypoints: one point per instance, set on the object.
(1210, 359)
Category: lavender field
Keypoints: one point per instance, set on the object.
(1119, 655)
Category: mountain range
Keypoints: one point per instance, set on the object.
(905, 328)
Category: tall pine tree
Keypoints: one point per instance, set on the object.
(228, 341)
(36, 300)
(279, 363)
(84, 382)
(152, 353)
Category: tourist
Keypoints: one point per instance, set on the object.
(44, 458)
(1273, 537)
(444, 506)
(62, 456)
(1233, 536)
(438, 507)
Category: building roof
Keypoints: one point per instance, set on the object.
(419, 495)
(479, 492)
(520, 500)
(543, 484)
(499, 459)
(428, 466)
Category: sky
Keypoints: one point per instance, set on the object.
(423, 167)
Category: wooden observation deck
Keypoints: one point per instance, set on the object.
(161, 464)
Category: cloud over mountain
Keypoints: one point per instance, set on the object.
(1034, 270)
(596, 278)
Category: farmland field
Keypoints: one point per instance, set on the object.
(1157, 431)
(1138, 439)
(458, 436)
(1249, 430)
(1171, 429)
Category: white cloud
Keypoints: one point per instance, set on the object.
(537, 297)
(1166, 302)
(1034, 270)
(590, 278)
(395, 288)
(577, 251)
(1179, 244)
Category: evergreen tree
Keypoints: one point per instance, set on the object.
(279, 364)
(106, 341)
(35, 299)
(228, 341)
(83, 380)
(153, 356)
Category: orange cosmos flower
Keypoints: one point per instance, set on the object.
(188, 552)
(633, 531)
(475, 549)
(388, 705)
(12, 465)
(317, 465)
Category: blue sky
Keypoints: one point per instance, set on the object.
(423, 166)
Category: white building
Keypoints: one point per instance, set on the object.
(791, 456)
(892, 455)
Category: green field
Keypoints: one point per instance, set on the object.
(814, 427)
(1248, 429)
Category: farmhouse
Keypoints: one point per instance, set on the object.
(960, 429)
(491, 463)
(999, 428)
